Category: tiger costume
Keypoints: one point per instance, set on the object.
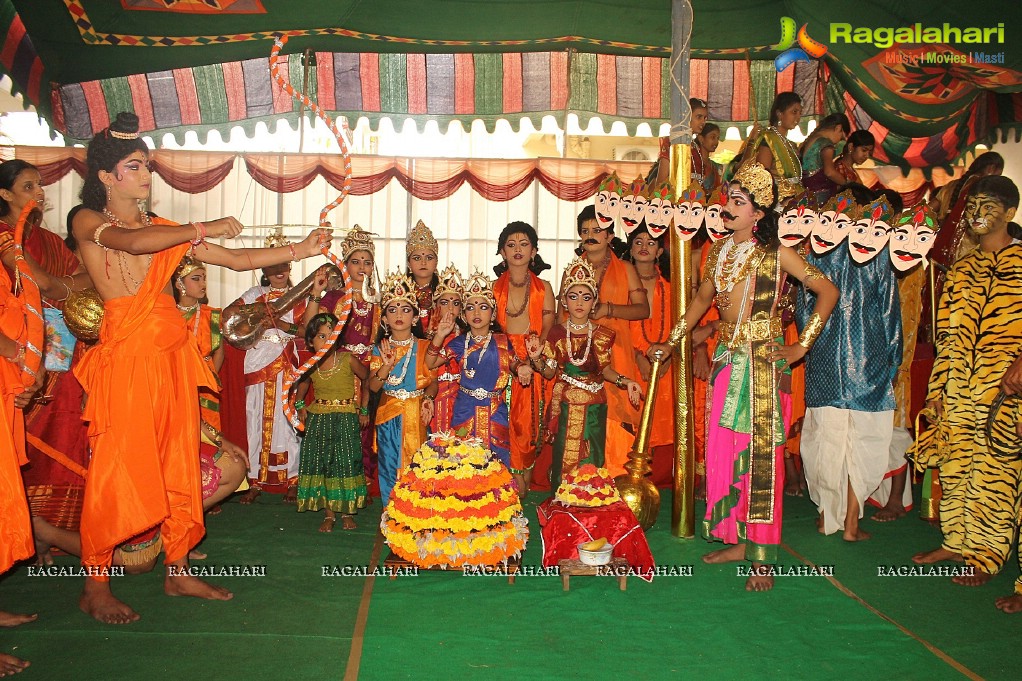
(979, 333)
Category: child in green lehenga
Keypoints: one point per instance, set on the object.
(330, 473)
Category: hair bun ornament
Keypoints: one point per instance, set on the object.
(125, 126)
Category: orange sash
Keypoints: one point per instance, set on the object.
(614, 289)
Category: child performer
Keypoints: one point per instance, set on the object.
(223, 464)
(358, 252)
(488, 363)
(578, 354)
(745, 442)
(398, 368)
(331, 475)
(421, 251)
(525, 305)
(446, 298)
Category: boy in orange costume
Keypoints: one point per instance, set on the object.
(145, 461)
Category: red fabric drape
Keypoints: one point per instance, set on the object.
(429, 179)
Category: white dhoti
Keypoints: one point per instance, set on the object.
(901, 440)
(842, 446)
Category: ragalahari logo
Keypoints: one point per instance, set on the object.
(806, 50)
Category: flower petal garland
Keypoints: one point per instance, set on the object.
(455, 505)
(587, 486)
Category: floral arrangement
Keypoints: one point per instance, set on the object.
(455, 505)
(587, 486)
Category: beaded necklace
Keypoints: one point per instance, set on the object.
(589, 342)
(485, 341)
(399, 379)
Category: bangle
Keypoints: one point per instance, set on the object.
(364, 411)
(314, 298)
(300, 404)
(199, 237)
(811, 331)
(294, 255)
(432, 349)
(95, 235)
(677, 333)
(292, 329)
(620, 380)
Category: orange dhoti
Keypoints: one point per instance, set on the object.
(15, 524)
(524, 414)
(142, 382)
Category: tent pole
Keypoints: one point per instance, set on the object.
(307, 63)
(683, 487)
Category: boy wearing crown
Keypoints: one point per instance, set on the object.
(577, 355)
(749, 401)
(978, 439)
(849, 380)
(398, 368)
(273, 445)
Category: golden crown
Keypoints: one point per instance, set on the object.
(187, 266)
(579, 273)
(479, 286)
(276, 238)
(421, 239)
(357, 239)
(757, 180)
(450, 282)
(398, 287)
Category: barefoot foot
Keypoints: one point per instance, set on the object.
(183, 584)
(729, 555)
(327, 525)
(975, 577)
(348, 523)
(98, 602)
(11, 665)
(855, 535)
(196, 554)
(1009, 604)
(292, 495)
(761, 578)
(216, 510)
(11, 619)
(889, 513)
(250, 496)
(936, 556)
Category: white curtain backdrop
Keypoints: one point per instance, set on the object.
(465, 224)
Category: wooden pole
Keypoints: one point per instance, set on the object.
(683, 487)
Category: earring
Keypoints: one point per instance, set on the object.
(109, 196)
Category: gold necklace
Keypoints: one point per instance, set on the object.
(327, 373)
(126, 274)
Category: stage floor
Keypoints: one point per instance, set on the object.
(306, 619)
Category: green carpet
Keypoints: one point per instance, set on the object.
(295, 623)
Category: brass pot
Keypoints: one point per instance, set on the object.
(83, 314)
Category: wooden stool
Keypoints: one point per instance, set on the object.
(617, 567)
